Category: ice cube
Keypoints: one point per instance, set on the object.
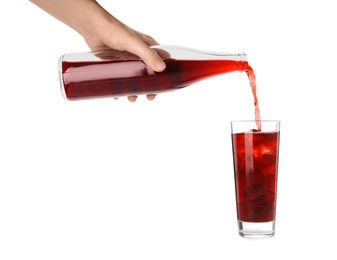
(267, 198)
(259, 195)
(252, 193)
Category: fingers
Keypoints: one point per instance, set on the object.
(148, 96)
(134, 98)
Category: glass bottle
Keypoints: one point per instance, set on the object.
(113, 73)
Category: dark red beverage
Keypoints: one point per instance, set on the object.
(114, 78)
(255, 157)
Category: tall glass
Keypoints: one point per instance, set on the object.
(255, 158)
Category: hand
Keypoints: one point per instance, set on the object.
(129, 40)
(103, 31)
(112, 54)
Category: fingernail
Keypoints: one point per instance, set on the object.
(160, 65)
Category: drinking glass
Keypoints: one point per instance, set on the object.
(255, 146)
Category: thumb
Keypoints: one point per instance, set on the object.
(150, 57)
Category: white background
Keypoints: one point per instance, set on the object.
(107, 179)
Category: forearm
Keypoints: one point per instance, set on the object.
(81, 15)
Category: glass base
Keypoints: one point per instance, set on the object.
(256, 229)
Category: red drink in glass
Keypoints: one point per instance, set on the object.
(255, 156)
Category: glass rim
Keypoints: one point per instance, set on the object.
(253, 120)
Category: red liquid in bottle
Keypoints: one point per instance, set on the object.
(255, 160)
(94, 79)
